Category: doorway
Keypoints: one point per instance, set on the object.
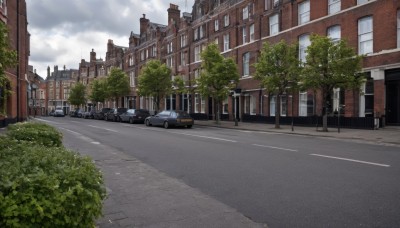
(392, 81)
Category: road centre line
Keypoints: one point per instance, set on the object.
(274, 147)
(81, 136)
(103, 128)
(351, 160)
(207, 137)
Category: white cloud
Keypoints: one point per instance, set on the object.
(63, 32)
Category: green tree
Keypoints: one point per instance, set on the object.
(77, 95)
(155, 81)
(117, 84)
(98, 90)
(218, 76)
(278, 70)
(8, 59)
(331, 65)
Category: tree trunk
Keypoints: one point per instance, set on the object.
(277, 111)
(325, 122)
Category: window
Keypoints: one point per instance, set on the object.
(359, 2)
(225, 106)
(1, 3)
(333, 6)
(244, 34)
(154, 51)
(367, 97)
(304, 12)
(398, 28)
(130, 60)
(216, 41)
(251, 32)
(303, 104)
(250, 105)
(142, 55)
(245, 12)
(334, 33)
(226, 20)
(274, 24)
(216, 25)
(196, 102)
(365, 36)
(201, 31)
(183, 59)
(304, 42)
(170, 62)
(226, 42)
(132, 78)
(272, 102)
(183, 40)
(196, 73)
(197, 53)
(283, 105)
(203, 105)
(246, 64)
(195, 34)
(169, 47)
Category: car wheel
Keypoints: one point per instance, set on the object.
(148, 123)
(189, 126)
(166, 125)
(130, 120)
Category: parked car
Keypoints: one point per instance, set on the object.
(99, 115)
(170, 118)
(89, 114)
(114, 114)
(76, 113)
(51, 113)
(59, 112)
(134, 115)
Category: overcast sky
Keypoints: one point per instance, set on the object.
(64, 31)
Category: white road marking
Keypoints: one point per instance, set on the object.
(97, 143)
(49, 121)
(274, 147)
(87, 139)
(201, 136)
(103, 128)
(73, 121)
(352, 160)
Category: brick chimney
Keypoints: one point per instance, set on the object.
(143, 24)
(92, 56)
(173, 14)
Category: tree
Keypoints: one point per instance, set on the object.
(278, 70)
(218, 76)
(117, 84)
(331, 65)
(98, 92)
(8, 59)
(77, 95)
(155, 81)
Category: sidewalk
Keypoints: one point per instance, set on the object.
(387, 135)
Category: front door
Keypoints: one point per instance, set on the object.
(393, 98)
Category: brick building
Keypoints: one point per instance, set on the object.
(36, 94)
(13, 14)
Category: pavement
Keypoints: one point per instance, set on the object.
(141, 196)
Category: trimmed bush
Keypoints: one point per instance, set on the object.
(47, 187)
(34, 132)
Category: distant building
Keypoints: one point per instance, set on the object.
(36, 94)
(13, 14)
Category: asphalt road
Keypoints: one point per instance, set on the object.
(277, 179)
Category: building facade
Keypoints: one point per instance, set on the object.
(13, 14)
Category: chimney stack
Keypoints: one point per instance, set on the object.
(173, 14)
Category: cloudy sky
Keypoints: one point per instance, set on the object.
(64, 31)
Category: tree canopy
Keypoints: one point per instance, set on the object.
(278, 70)
(8, 59)
(218, 76)
(77, 95)
(117, 84)
(155, 81)
(331, 65)
(98, 90)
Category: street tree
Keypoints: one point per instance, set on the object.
(278, 70)
(8, 59)
(98, 91)
(77, 95)
(117, 84)
(330, 65)
(155, 81)
(218, 76)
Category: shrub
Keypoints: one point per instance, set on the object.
(47, 187)
(34, 132)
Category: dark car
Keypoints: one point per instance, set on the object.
(170, 118)
(76, 113)
(114, 114)
(101, 113)
(134, 115)
(89, 114)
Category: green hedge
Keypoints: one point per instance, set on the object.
(47, 187)
(37, 133)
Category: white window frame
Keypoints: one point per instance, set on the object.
(226, 42)
(274, 24)
(226, 20)
(244, 34)
(216, 24)
(183, 40)
(225, 104)
(246, 64)
(183, 58)
(202, 105)
(334, 32)
(304, 42)
(334, 6)
(360, 2)
(252, 38)
(196, 102)
(197, 53)
(132, 78)
(304, 12)
(365, 35)
(272, 102)
(245, 12)
(302, 103)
